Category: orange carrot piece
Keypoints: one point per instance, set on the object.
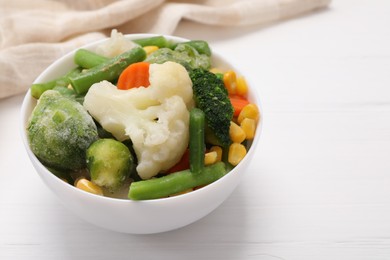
(134, 76)
(238, 102)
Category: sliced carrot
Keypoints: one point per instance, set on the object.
(134, 76)
(183, 164)
(238, 102)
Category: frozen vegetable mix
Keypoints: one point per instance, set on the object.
(155, 118)
(142, 119)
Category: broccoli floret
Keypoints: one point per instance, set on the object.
(60, 131)
(109, 163)
(211, 96)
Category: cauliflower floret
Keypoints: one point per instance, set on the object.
(116, 45)
(156, 118)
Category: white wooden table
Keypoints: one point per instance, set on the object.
(319, 187)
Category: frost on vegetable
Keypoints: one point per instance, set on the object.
(156, 118)
(60, 131)
(184, 54)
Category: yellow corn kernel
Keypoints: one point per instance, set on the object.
(237, 152)
(216, 70)
(88, 186)
(210, 158)
(237, 135)
(230, 81)
(242, 86)
(218, 150)
(248, 125)
(150, 49)
(249, 111)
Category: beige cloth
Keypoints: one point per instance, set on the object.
(34, 33)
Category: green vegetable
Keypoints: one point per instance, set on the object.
(109, 70)
(219, 75)
(88, 59)
(159, 41)
(62, 174)
(211, 96)
(184, 54)
(201, 46)
(59, 131)
(70, 93)
(175, 182)
(133, 173)
(109, 163)
(37, 89)
(210, 137)
(225, 158)
(196, 144)
(102, 133)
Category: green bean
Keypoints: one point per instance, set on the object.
(37, 89)
(159, 41)
(109, 70)
(65, 91)
(197, 144)
(88, 59)
(175, 182)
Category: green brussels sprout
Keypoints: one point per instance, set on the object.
(184, 54)
(60, 130)
(109, 163)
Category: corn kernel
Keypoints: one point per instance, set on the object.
(150, 49)
(248, 125)
(242, 86)
(249, 111)
(210, 158)
(237, 152)
(230, 81)
(218, 150)
(237, 135)
(88, 186)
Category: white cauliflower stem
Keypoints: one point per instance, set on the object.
(156, 118)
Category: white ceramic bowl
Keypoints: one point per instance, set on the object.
(137, 217)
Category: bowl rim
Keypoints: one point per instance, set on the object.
(29, 103)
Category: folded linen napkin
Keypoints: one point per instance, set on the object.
(35, 33)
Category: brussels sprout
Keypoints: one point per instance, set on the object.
(109, 163)
(60, 130)
(184, 54)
